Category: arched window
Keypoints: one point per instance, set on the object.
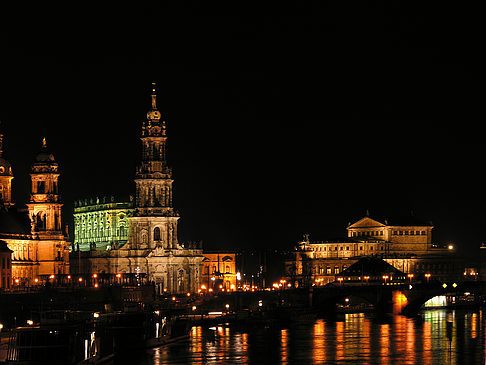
(156, 234)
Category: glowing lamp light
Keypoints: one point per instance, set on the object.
(227, 306)
(118, 275)
(203, 287)
(454, 285)
(51, 276)
(450, 247)
(444, 285)
(96, 285)
(69, 277)
(30, 322)
(238, 276)
(1, 327)
(96, 314)
(173, 298)
(95, 276)
(80, 280)
(188, 294)
(36, 280)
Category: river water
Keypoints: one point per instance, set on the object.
(433, 337)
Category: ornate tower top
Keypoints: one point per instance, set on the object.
(153, 127)
(153, 176)
(6, 177)
(45, 161)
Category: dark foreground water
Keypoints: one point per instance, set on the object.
(352, 339)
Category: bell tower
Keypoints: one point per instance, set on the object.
(45, 203)
(45, 214)
(155, 221)
(6, 177)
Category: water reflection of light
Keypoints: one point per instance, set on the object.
(474, 328)
(385, 343)
(196, 339)
(410, 339)
(319, 349)
(340, 341)
(427, 339)
(356, 337)
(284, 338)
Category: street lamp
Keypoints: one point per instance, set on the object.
(340, 279)
(427, 276)
(385, 277)
(410, 276)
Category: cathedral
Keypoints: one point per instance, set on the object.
(34, 233)
(139, 236)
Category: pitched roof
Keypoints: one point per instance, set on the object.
(405, 221)
(370, 266)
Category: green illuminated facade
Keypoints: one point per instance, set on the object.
(102, 223)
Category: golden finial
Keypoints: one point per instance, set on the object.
(44, 143)
(154, 97)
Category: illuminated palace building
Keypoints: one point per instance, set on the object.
(139, 237)
(34, 233)
(404, 243)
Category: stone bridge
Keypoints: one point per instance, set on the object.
(408, 298)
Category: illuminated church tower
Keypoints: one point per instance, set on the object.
(45, 214)
(154, 223)
(152, 249)
(6, 177)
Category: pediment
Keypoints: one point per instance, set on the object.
(366, 222)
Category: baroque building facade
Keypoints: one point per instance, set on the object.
(35, 234)
(405, 243)
(152, 248)
(102, 224)
(219, 271)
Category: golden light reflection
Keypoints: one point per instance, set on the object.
(426, 342)
(366, 338)
(385, 342)
(319, 348)
(474, 328)
(339, 341)
(284, 338)
(196, 339)
(410, 339)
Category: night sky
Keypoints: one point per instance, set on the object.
(282, 120)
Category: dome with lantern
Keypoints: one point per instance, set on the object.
(44, 161)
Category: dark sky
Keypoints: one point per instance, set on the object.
(282, 120)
